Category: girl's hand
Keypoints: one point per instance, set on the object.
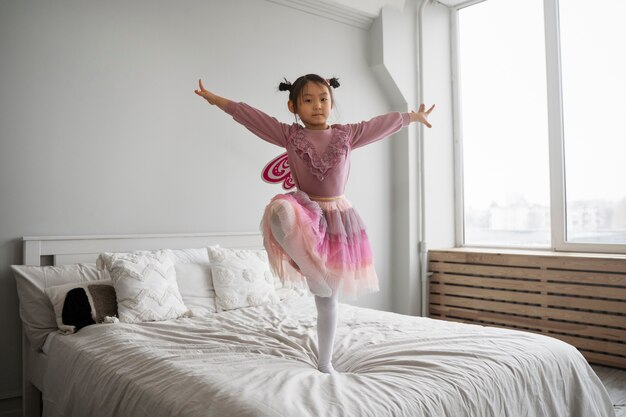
(202, 92)
(421, 115)
(214, 99)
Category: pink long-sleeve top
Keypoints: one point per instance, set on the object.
(319, 159)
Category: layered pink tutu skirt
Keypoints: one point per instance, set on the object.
(333, 234)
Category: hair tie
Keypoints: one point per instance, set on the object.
(333, 82)
(285, 86)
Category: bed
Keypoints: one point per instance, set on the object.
(260, 360)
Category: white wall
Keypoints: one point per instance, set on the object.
(394, 58)
(100, 132)
(438, 141)
(396, 54)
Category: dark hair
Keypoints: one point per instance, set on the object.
(295, 89)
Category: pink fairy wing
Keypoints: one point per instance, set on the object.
(277, 170)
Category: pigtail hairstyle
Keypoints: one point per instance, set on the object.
(333, 82)
(295, 89)
(285, 86)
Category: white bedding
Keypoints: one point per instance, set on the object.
(261, 361)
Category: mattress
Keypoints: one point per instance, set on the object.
(262, 361)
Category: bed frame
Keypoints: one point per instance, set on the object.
(63, 250)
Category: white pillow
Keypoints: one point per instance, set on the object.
(57, 295)
(288, 289)
(36, 310)
(145, 285)
(242, 278)
(189, 256)
(285, 293)
(196, 287)
(193, 275)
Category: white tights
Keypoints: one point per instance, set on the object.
(327, 309)
(282, 222)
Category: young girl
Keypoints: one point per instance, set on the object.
(314, 233)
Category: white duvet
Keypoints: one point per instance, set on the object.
(261, 361)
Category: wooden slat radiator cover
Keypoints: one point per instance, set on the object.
(578, 298)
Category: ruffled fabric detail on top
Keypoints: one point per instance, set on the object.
(320, 165)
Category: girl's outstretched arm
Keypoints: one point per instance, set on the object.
(385, 125)
(422, 115)
(213, 99)
(259, 123)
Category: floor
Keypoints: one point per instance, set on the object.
(615, 382)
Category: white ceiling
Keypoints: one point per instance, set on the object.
(453, 3)
(357, 13)
(370, 7)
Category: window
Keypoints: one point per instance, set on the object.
(542, 152)
(593, 65)
(504, 117)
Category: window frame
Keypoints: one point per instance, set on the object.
(558, 206)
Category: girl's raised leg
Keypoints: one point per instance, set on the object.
(282, 221)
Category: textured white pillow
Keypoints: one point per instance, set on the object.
(145, 285)
(242, 278)
(285, 293)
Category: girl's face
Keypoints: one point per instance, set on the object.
(314, 105)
